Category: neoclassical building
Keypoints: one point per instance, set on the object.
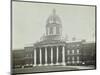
(53, 50)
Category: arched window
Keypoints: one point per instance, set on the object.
(54, 30)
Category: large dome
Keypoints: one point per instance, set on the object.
(54, 18)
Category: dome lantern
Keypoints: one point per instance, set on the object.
(54, 18)
(54, 26)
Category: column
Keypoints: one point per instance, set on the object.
(63, 55)
(40, 57)
(34, 57)
(45, 56)
(51, 56)
(57, 55)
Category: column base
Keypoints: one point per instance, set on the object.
(64, 63)
(51, 64)
(57, 64)
(34, 65)
(40, 64)
(45, 64)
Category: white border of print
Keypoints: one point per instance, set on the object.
(5, 37)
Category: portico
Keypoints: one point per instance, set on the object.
(49, 55)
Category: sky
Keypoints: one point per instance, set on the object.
(29, 21)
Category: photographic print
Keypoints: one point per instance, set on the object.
(52, 37)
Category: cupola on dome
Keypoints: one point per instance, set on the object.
(54, 18)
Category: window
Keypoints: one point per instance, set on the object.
(54, 30)
(68, 62)
(68, 58)
(73, 60)
(77, 51)
(68, 51)
(77, 59)
(73, 51)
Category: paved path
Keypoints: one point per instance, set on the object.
(50, 69)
